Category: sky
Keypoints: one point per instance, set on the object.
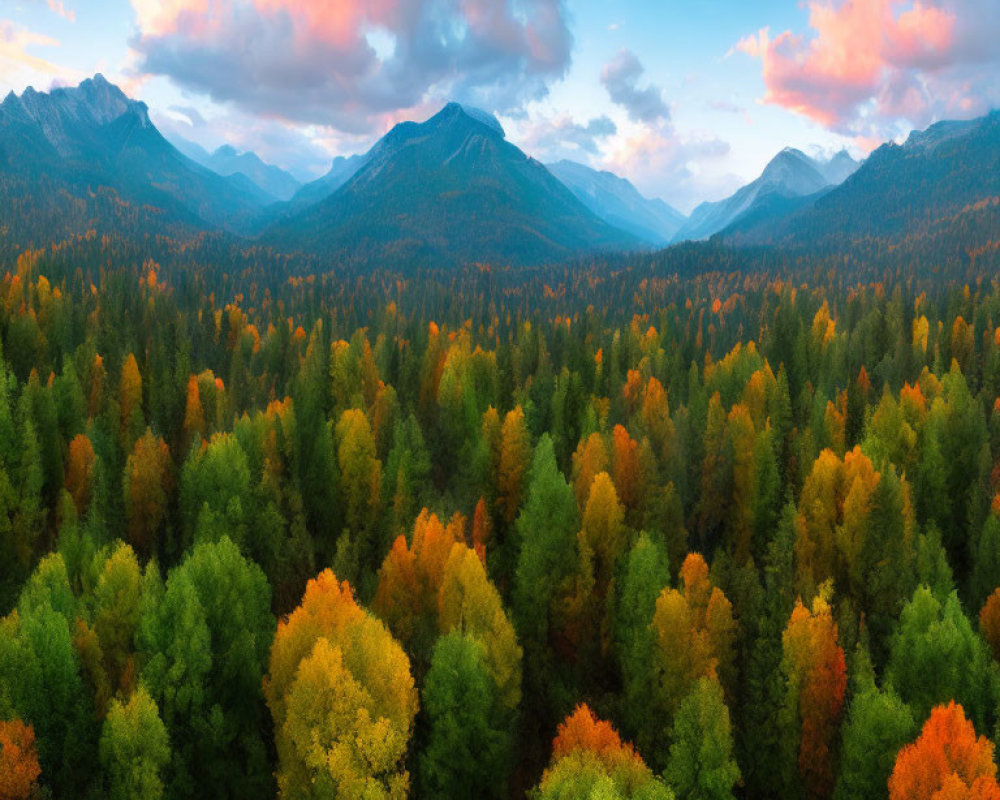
(687, 100)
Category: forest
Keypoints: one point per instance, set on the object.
(701, 525)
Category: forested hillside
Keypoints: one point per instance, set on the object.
(705, 524)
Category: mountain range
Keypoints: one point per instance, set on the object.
(227, 160)
(619, 203)
(789, 175)
(901, 189)
(449, 190)
(73, 157)
(341, 171)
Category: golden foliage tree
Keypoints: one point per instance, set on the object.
(342, 698)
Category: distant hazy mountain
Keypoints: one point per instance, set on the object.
(226, 160)
(838, 169)
(445, 191)
(89, 157)
(899, 190)
(619, 203)
(341, 171)
(790, 174)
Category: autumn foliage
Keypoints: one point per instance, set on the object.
(341, 694)
(588, 751)
(18, 761)
(946, 762)
(817, 679)
(989, 622)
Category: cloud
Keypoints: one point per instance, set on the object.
(560, 136)
(347, 63)
(58, 7)
(660, 162)
(620, 77)
(191, 115)
(877, 68)
(727, 106)
(18, 66)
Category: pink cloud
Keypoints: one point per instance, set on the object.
(870, 67)
(18, 65)
(58, 7)
(350, 64)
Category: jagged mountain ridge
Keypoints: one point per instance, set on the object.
(61, 149)
(790, 174)
(226, 160)
(898, 191)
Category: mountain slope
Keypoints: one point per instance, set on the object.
(89, 157)
(900, 190)
(449, 190)
(341, 171)
(227, 161)
(619, 203)
(790, 174)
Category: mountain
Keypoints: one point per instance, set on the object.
(450, 190)
(226, 160)
(619, 203)
(790, 174)
(88, 157)
(899, 191)
(838, 169)
(341, 171)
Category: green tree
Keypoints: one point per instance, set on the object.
(647, 573)
(546, 533)
(986, 564)
(216, 498)
(936, 656)
(701, 764)
(134, 749)
(360, 482)
(468, 750)
(205, 643)
(40, 682)
(878, 725)
(406, 477)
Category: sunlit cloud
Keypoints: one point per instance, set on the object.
(58, 7)
(20, 66)
(872, 69)
(350, 64)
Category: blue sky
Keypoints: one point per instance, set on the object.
(688, 100)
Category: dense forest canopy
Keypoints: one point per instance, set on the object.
(708, 523)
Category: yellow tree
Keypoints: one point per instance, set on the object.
(80, 471)
(602, 536)
(515, 458)
(469, 602)
(342, 698)
(194, 413)
(360, 481)
(147, 481)
(130, 398)
(816, 678)
(590, 760)
(590, 459)
(832, 524)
